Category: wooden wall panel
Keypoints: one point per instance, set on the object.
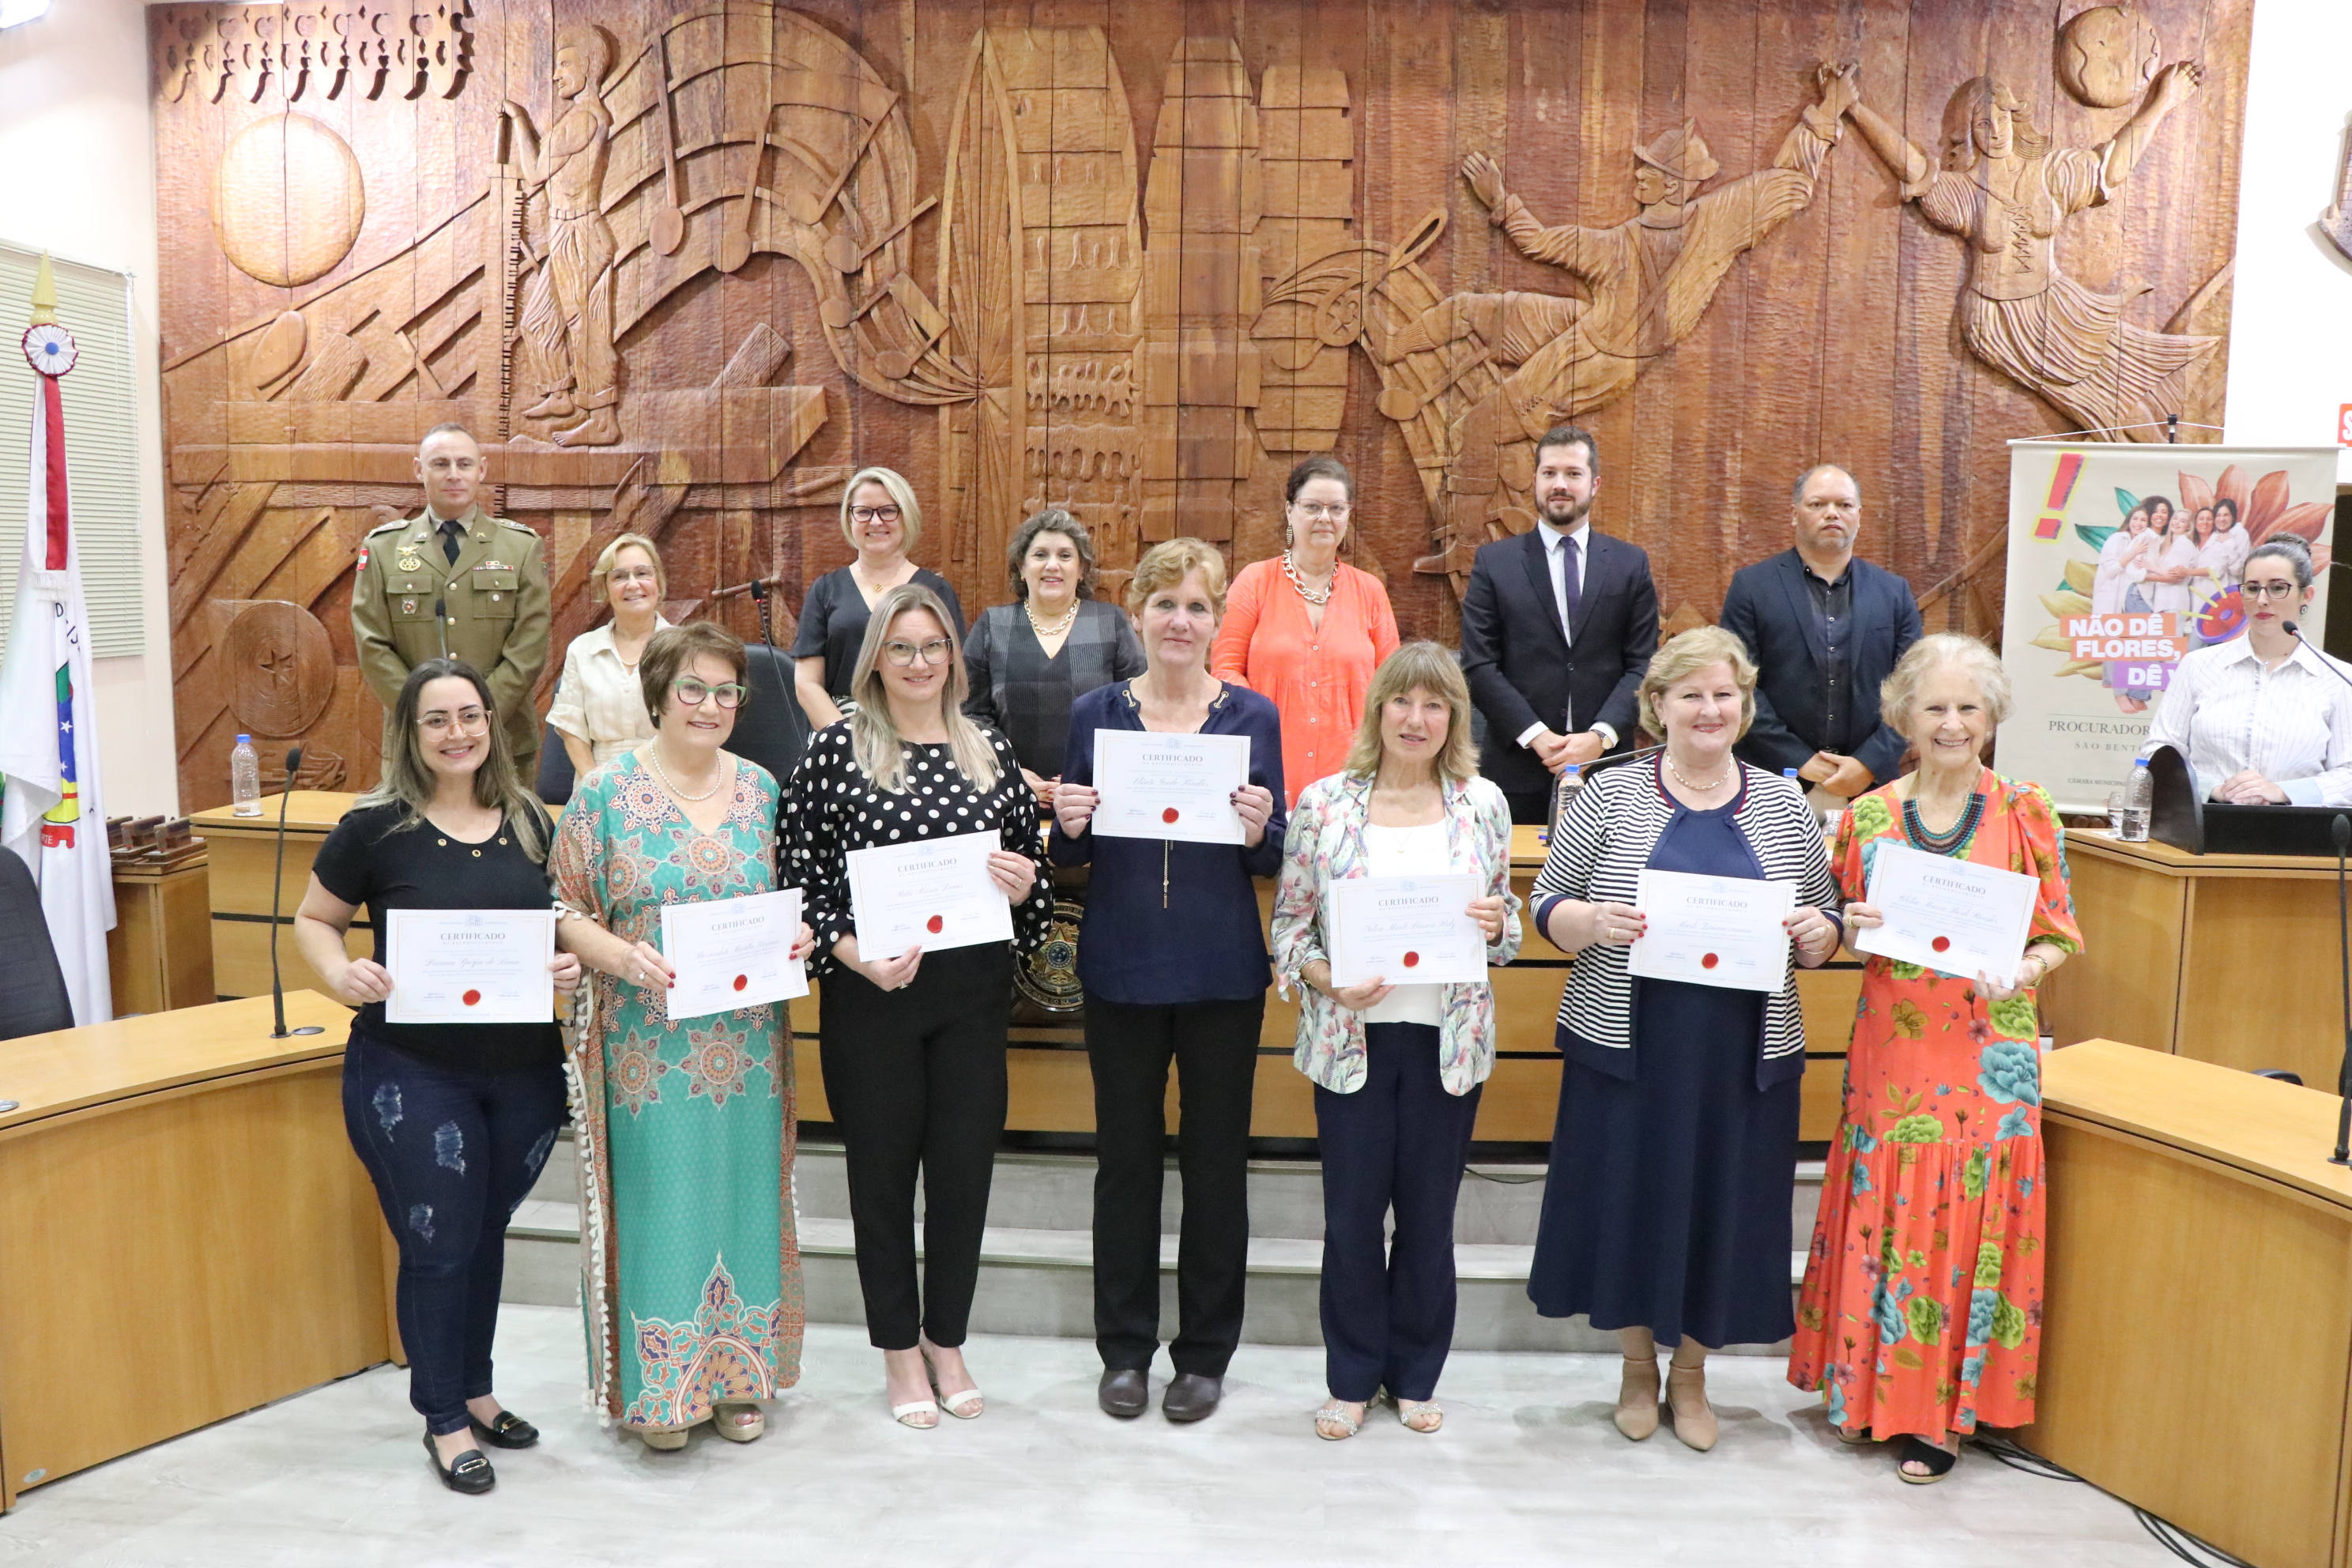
(929, 233)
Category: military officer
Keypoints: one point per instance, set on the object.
(454, 581)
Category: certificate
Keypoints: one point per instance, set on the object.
(935, 894)
(733, 952)
(469, 966)
(1169, 786)
(1713, 930)
(1406, 931)
(1951, 916)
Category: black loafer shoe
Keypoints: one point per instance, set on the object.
(1124, 1392)
(471, 1474)
(1192, 1398)
(508, 1431)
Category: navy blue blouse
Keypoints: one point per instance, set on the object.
(1196, 936)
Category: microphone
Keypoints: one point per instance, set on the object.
(276, 893)
(2341, 830)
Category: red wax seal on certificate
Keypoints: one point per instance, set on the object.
(1708, 961)
(472, 998)
(1169, 815)
(935, 924)
(1413, 961)
(742, 981)
(1942, 944)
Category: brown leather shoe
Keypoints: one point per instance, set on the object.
(1125, 1392)
(1192, 1398)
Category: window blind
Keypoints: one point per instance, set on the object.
(101, 443)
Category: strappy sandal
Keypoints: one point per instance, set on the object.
(968, 1405)
(1420, 1415)
(1334, 1413)
(1697, 1429)
(740, 1423)
(1936, 1459)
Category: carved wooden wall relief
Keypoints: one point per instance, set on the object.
(683, 266)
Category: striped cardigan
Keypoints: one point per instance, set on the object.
(1597, 855)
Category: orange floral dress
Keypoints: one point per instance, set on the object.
(1921, 1312)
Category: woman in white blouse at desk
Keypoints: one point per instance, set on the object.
(600, 705)
(2263, 719)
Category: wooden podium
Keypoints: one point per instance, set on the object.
(184, 1233)
(2197, 1332)
(2178, 949)
(243, 850)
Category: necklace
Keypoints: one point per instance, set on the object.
(1691, 783)
(651, 756)
(1029, 608)
(1915, 827)
(1290, 571)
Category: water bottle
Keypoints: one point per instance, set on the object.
(2139, 797)
(245, 778)
(1563, 795)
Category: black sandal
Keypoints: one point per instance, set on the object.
(508, 1431)
(1937, 1460)
(471, 1474)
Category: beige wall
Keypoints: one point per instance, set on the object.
(76, 176)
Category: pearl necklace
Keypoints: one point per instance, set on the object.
(1312, 597)
(1688, 784)
(663, 773)
(1029, 608)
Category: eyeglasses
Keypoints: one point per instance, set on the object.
(692, 692)
(2268, 590)
(465, 720)
(873, 514)
(632, 574)
(1320, 511)
(939, 650)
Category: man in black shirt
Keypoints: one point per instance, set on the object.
(1824, 629)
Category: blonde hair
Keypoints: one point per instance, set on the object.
(902, 495)
(1171, 561)
(1685, 655)
(406, 781)
(599, 575)
(1900, 689)
(874, 737)
(1433, 669)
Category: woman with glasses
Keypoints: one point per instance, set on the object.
(883, 525)
(913, 1043)
(452, 1121)
(600, 705)
(1055, 642)
(1306, 629)
(1172, 955)
(685, 1126)
(2261, 718)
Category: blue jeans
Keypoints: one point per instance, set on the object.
(452, 1154)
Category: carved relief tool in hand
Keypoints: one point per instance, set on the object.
(812, 210)
(843, 255)
(735, 245)
(1401, 403)
(1339, 313)
(669, 223)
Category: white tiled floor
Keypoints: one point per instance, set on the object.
(1528, 1471)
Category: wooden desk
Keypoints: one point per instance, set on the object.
(2197, 1329)
(184, 1233)
(2183, 953)
(243, 849)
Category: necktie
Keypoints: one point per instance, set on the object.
(450, 533)
(1571, 582)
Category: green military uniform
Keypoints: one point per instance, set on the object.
(489, 607)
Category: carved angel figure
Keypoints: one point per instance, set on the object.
(2007, 191)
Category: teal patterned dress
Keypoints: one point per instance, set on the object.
(691, 1275)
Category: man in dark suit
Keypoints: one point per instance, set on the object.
(1824, 629)
(1557, 627)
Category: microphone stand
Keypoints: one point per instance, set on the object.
(277, 894)
(2341, 831)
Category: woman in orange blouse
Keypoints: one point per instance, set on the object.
(1307, 631)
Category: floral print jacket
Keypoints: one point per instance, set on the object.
(1326, 845)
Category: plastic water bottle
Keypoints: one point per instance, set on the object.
(245, 778)
(1563, 795)
(2139, 797)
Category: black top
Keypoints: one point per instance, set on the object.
(833, 617)
(1833, 621)
(370, 859)
(831, 808)
(1168, 924)
(1015, 689)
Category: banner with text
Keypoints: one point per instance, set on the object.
(2121, 560)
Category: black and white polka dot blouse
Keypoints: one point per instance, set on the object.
(831, 808)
